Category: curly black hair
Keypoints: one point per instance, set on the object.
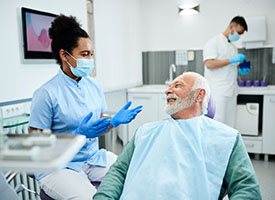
(65, 32)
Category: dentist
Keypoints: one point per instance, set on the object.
(73, 102)
(221, 59)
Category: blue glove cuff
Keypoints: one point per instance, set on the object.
(232, 60)
(239, 58)
(77, 131)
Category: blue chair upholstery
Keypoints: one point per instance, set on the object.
(211, 108)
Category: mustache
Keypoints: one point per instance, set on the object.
(172, 96)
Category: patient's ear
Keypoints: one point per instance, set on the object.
(201, 95)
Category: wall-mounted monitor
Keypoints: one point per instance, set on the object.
(36, 40)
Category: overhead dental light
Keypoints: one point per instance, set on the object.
(189, 8)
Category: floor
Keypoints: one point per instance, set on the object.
(266, 175)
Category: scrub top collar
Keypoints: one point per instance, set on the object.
(68, 80)
(225, 38)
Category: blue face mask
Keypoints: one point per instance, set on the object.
(234, 37)
(83, 66)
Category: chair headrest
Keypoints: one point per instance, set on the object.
(211, 108)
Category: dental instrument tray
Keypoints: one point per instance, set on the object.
(20, 152)
(35, 139)
(39, 140)
(27, 147)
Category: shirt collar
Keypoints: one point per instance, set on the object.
(224, 37)
(68, 80)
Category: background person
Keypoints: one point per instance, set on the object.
(73, 102)
(221, 60)
(188, 156)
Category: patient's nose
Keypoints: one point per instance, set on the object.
(167, 91)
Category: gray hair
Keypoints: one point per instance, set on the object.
(201, 83)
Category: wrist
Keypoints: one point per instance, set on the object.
(114, 123)
(77, 131)
(232, 60)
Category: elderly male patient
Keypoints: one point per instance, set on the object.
(188, 156)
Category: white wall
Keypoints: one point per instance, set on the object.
(123, 28)
(19, 80)
(117, 43)
(163, 29)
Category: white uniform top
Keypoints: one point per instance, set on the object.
(222, 81)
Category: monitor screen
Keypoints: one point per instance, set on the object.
(36, 40)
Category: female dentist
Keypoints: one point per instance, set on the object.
(73, 102)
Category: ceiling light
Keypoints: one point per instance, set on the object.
(189, 9)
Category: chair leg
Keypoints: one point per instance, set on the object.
(21, 187)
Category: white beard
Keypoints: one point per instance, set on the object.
(179, 104)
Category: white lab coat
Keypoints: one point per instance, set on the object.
(222, 81)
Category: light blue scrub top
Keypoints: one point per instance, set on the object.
(61, 104)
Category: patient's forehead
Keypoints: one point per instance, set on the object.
(187, 79)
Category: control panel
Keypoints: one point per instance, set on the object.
(14, 118)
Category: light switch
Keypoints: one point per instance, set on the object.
(191, 55)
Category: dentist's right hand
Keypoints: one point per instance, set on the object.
(125, 115)
(93, 129)
(239, 58)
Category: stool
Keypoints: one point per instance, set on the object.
(44, 196)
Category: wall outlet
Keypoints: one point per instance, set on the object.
(191, 55)
(12, 110)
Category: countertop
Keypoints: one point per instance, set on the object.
(269, 90)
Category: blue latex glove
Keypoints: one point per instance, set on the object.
(92, 129)
(243, 71)
(239, 58)
(125, 115)
(245, 64)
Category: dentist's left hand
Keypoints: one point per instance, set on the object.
(243, 71)
(125, 115)
(92, 129)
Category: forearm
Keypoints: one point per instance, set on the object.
(32, 129)
(240, 178)
(215, 63)
(112, 185)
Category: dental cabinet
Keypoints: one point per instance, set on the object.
(264, 141)
(259, 134)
